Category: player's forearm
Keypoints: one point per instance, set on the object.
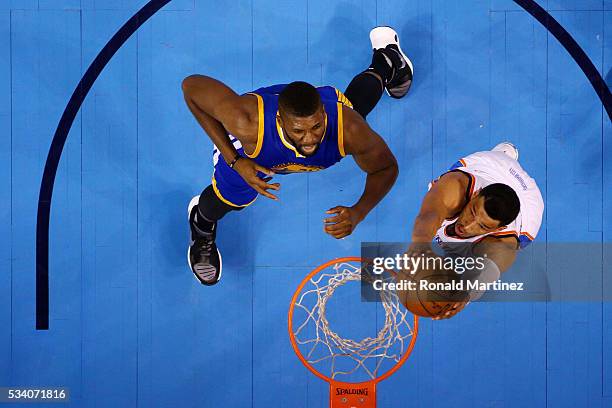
(425, 226)
(216, 132)
(213, 128)
(377, 186)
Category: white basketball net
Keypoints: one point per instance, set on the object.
(324, 345)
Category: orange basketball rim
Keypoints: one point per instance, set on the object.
(346, 394)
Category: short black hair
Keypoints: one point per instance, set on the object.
(501, 202)
(299, 99)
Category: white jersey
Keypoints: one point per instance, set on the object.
(489, 167)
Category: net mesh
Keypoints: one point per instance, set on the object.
(326, 350)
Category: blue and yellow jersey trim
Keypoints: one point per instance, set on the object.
(285, 142)
(340, 129)
(343, 99)
(288, 144)
(225, 200)
(260, 127)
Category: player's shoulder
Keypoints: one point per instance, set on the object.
(356, 133)
(352, 121)
(452, 187)
(484, 158)
(244, 113)
(251, 105)
(453, 179)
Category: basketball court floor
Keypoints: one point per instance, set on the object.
(129, 326)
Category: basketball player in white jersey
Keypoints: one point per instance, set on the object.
(487, 201)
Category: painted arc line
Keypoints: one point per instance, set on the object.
(113, 45)
(57, 146)
(575, 51)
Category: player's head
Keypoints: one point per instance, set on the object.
(493, 208)
(302, 116)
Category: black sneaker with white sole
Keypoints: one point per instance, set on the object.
(386, 41)
(203, 256)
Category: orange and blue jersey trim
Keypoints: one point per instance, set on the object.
(501, 234)
(525, 239)
(469, 191)
(457, 164)
(472, 183)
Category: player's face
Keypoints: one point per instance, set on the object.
(474, 220)
(305, 133)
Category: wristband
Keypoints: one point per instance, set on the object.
(231, 165)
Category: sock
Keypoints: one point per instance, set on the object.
(210, 209)
(203, 225)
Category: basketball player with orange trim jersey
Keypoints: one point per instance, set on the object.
(485, 204)
(292, 128)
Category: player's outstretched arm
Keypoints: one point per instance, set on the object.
(219, 110)
(445, 199)
(373, 156)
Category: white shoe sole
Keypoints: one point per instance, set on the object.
(382, 36)
(194, 201)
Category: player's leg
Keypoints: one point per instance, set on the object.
(390, 69)
(365, 90)
(228, 192)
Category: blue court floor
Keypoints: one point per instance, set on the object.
(129, 325)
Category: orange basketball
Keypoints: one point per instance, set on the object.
(433, 292)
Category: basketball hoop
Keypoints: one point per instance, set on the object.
(340, 360)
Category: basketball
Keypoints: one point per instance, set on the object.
(432, 292)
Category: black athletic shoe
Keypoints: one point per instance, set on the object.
(385, 40)
(203, 256)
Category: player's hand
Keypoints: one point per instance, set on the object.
(417, 249)
(248, 170)
(343, 222)
(456, 308)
